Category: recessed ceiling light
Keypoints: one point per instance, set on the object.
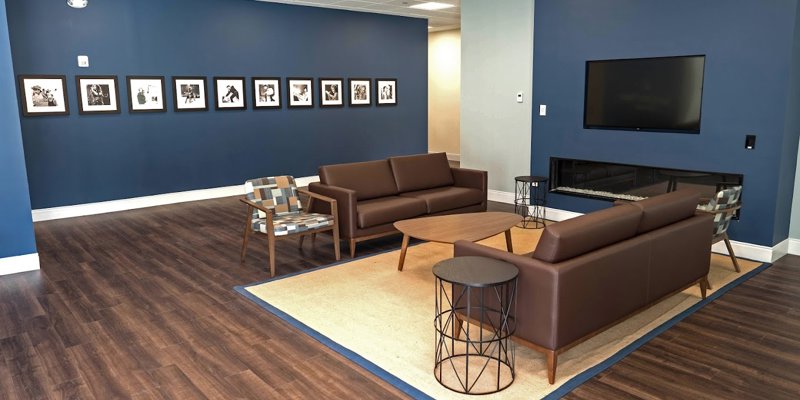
(77, 3)
(432, 6)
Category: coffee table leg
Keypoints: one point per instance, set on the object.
(403, 249)
(508, 241)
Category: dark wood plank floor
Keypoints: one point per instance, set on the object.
(139, 305)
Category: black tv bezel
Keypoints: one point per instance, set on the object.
(642, 128)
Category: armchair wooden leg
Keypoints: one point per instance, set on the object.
(552, 361)
(335, 242)
(730, 252)
(457, 327)
(247, 229)
(352, 248)
(271, 242)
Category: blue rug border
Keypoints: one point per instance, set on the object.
(410, 390)
(344, 351)
(584, 376)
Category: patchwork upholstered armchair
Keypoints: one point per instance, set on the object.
(724, 206)
(274, 209)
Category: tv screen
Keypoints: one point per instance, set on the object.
(649, 94)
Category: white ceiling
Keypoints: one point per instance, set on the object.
(449, 18)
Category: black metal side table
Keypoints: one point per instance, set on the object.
(530, 200)
(477, 358)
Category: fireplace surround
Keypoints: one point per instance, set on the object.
(615, 181)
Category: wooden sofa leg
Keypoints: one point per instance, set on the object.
(352, 248)
(300, 241)
(552, 361)
(704, 286)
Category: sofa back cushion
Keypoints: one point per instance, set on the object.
(420, 172)
(666, 209)
(580, 235)
(370, 179)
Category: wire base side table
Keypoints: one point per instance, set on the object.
(530, 201)
(475, 308)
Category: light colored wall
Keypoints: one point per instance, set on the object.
(444, 91)
(496, 63)
(794, 224)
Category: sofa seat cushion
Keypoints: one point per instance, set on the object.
(388, 209)
(420, 172)
(666, 209)
(369, 179)
(447, 198)
(580, 235)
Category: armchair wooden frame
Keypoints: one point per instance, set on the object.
(271, 238)
(728, 212)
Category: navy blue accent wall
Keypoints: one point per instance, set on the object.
(750, 87)
(79, 159)
(16, 227)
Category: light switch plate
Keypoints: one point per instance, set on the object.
(83, 61)
(519, 97)
(542, 110)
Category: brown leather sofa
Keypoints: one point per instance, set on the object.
(372, 195)
(590, 272)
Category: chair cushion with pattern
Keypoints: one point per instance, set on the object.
(723, 200)
(285, 224)
(277, 193)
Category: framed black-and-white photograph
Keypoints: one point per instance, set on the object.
(43, 95)
(360, 92)
(190, 93)
(229, 93)
(330, 92)
(146, 94)
(266, 92)
(300, 92)
(386, 92)
(97, 94)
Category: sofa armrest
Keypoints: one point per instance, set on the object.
(471, 178)
(537, 291)
(345, 203)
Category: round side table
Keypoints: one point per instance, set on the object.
(530, 201)
(474, 321)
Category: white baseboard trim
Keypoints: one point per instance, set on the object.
(794, 246)
(17, 264)
(501, 196)
(80, 210)
(744, 250)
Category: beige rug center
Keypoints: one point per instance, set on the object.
(386, 316)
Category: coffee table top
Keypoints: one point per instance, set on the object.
(450, 228)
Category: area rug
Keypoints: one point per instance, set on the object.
(382, 319)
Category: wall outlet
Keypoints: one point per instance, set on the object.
(542, 110)
(83, 61)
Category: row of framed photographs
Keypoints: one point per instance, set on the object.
(47, 94)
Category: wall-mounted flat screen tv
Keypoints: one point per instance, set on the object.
(647, 94)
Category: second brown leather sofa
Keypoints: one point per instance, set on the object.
(372, 195)
(590, 272)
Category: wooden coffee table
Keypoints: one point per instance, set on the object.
(450, 228)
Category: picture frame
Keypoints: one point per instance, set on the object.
(43, 95)
(385, 92)
(300, 92)
(360, 92)
(146, 94)
(189, 93)
(266, 93)
(97, 94)
(331, 92)
(229, 93)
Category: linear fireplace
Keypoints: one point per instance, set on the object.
(612, 181)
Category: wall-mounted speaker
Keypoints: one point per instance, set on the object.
(750, 142)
